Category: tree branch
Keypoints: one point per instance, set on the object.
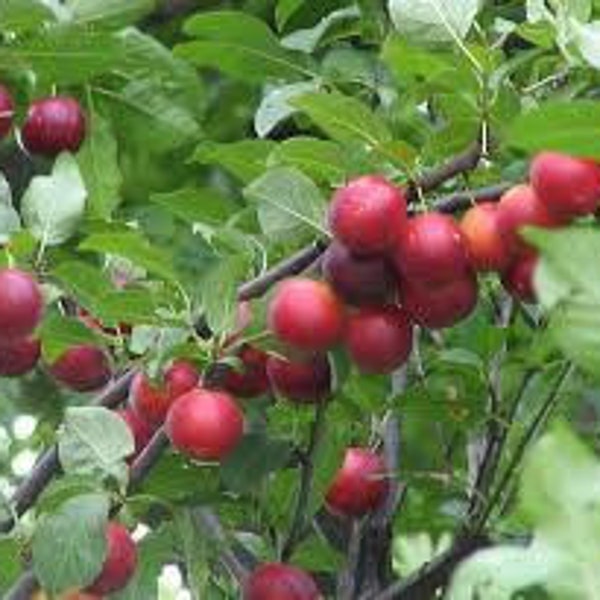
(374, 566)
(291, 266)
(423, 583)
(464, 200)
(48, 465)
(306, 476)
(208, 522)
(542, 416)
(461, 163)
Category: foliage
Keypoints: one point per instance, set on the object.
(217, 132)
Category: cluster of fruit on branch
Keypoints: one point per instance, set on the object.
(384, 273)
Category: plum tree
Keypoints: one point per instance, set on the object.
(19, 357)
(358, 280)
(7, 109)
(486, 245)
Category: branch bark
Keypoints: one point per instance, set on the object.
(461, 163)
(48, 465)
(423, 584)
(307, 469)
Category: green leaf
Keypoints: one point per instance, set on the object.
(570, 127)
(289, 204)
(64, 488)
(98, 162)
(80, 525)
(308, 40)
(434, 20)
(149, 108)
(275, 106)
(240, 45)
(560, 497)
(95, 439)
(344, 119)
(134, 247)
(64, 55)
(53, 205)
(10, 563)
(246, 160)
(22, 15)
(97, 294)
(567, 252)
(218, 292)
(574, 329)
(321, 160)
(197, 205)
(109, 13)
(252, 460)
(10, 221)
(59, 333)
(85, 282)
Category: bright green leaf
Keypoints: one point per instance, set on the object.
(53, 205)
(288, 203)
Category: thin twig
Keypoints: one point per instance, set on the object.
(208, 522)
(305, 488)
(498, 442)
(542, 417)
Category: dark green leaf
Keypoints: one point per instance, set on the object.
(98, 162)
(241, 46)
(80, 525)
(253, 459)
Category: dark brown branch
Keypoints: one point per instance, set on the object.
(373, 570)
(209, 523)
(24, 588)
(147, 458)
(463, 200)
(306, 476)
(48, 465)
(291, 266)
(461, 163)
(534, 427)
(423, 584)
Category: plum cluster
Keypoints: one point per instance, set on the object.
(82, 367)
(385, 272)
